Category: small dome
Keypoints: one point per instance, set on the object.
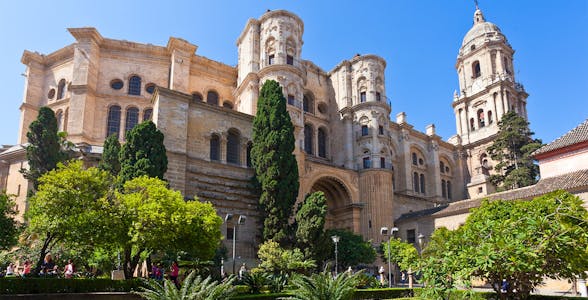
(482, 28)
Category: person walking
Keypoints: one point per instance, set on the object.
(173, 275)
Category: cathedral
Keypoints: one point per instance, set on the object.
(376, 171)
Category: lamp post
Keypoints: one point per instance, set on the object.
(384, 232)
(240, 221)
(335, 239)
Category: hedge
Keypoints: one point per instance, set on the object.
(269, 296)
(15, 285)
(384, 293)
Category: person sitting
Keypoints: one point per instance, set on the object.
(48, 266)
(69, 269)
(10, 270)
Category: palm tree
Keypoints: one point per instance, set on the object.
(193, 288)
(324, 287)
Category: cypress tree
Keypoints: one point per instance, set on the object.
(44, 149)
(310, 223)
(110, 155)
(275, 165)
(143, 153)
(512, 150)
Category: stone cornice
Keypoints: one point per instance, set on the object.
(250, 22)
(60, 55)
(251, 77)
(86, 33)
(182, 45)
(282, 13)
(282, 67)
(161, 91)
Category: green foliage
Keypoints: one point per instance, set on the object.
(269, 296)
(143, 154)
(275, 166)
(8, 225)
(352, 249)
(16, 285)
(385, 293)
(403, 254)
(44, 151)
(255, 281)
(323, 286)
(110, 155)
(520, 241)
(193, 288)
(150, 217)
(310, 223)
(70, 206)
(512, 151)
(277, 260)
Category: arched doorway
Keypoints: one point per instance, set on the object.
(340, 211)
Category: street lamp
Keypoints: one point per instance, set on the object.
(335, 239)
(384, 232)
(421, 241)
(240, 221)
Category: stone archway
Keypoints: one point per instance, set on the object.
(340, 211)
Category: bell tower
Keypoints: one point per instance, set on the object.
(487, 90)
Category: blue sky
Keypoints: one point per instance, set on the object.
(418, 39)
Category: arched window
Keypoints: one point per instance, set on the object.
(367, 163)
(364, 130)
(212, 98)
(322, 143)
(113, 123)
(476, 71)
(61, 89)
(415, 182)
(414, 159)
(308, 146)
(442, 167)
(490, 117)
(132, 118)
(448, 189)
(422, 183)
(383, 162)
(249, 147)
(135, 85)
(472, 124)
(290, 51)
(443, 188)
(362, 97)
(196, 97)
(308, 104)
(147, 114)
(270, 50)
(233, 146)
(59, 117)
(481, 122)
(506, 66)
(214, 147)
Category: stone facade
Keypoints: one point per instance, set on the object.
(372, 169)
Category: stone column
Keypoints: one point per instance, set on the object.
(33, 93)
(223, 147)
(181, 53)
(349, 143)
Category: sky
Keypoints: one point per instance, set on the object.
(418, 39)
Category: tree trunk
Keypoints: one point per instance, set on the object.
(43, 252)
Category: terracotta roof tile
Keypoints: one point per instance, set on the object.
(577, 180)
(574, 136)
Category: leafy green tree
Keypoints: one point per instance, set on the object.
(512, 151)
(352, 249)
(323, 286)
(69, 206)
(110, 155)
(276, 260)
(519, 241)
(310, 223)
(275, 165)
(44, 150)
(150, 217)
(8, 225)
(193, 288)
(143, 153)
(403, 254)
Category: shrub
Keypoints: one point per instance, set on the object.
(385, 293)
(9, 286)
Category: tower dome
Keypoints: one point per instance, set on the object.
(482, 31)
